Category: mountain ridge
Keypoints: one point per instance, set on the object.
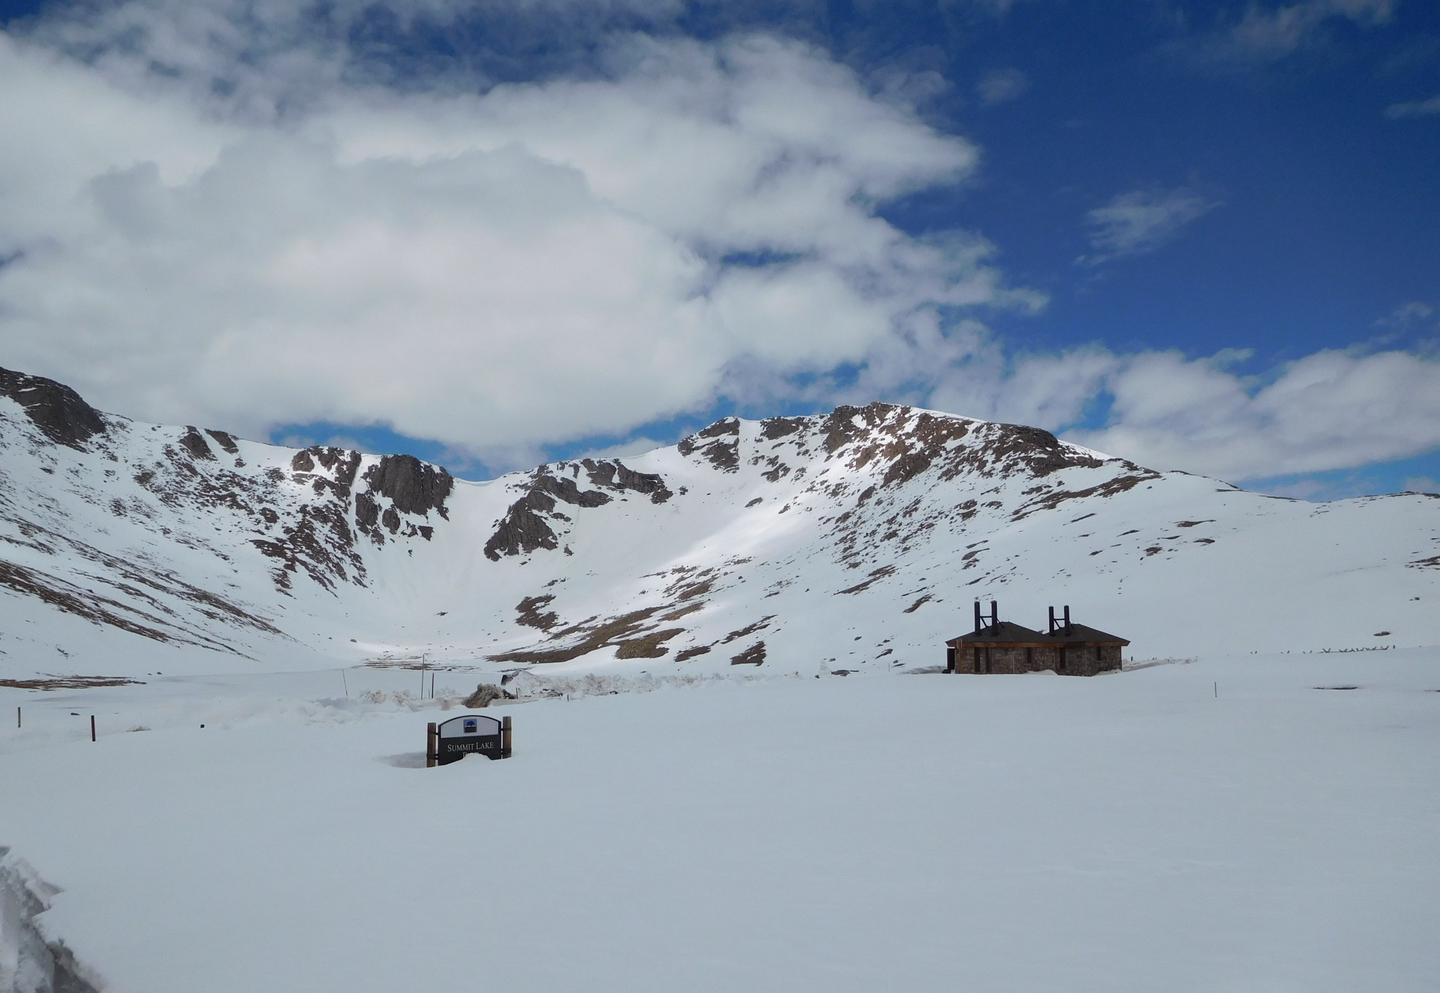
(788, 543)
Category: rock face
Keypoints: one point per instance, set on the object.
(718, 444)
(55, 409)
(415, 487)
(528, 524)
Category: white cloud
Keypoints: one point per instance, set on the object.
(1414, 108)
(1002, 86)
(1329, 410)
(1271, 33)
(638, 445)
(1142, 221)
(494, 269)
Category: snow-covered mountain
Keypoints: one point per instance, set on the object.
(857, 539)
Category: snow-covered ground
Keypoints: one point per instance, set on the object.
(1134, 831)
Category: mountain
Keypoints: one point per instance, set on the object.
(856, 539)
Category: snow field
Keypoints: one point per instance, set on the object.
(906, 833)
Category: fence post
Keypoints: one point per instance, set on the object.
(92, 727)
(505, 737)
(431, 750)
(17, 717)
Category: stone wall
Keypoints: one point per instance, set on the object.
(996, 659)
(1087, 660)
(1079, 660)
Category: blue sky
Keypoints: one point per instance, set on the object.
(1201, 236)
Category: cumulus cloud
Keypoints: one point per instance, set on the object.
(1141, 221)
(1332, 409)
(1002, 86)
(240, 221)
(1414, 108)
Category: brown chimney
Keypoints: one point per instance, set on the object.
(994, 615)
(1068, 632)
(977, 616)
(1051, 629)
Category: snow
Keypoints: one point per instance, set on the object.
(1220, 824)
(1157, 563)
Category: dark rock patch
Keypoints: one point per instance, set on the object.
(649, 646)
(413, 486)
(719, 444)
(367, 511)
(522, 529)
(529, 611)
(773, 428)
(194, 443)
(225, 440)
(754, 655)
(56, 409)
(875, 577)
(615, 475)
(589, 636)
(759, 625)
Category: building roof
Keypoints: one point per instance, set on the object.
(1004, 633)
(1083, 633)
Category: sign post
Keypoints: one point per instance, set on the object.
(468, 734)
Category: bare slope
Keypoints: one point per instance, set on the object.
(856, 539)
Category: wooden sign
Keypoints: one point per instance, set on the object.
(468, 734)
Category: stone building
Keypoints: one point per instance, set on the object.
(997, 646)
(1084, 650)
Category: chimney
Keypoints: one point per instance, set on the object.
(977, 616)
(1051, 629)
(994, 615)
(1068, 632)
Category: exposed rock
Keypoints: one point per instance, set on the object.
(566, 489)
(754, 655)
(522, 529)
(55, 409)
(415, 487)
(773, 428)
(649, 646)
(367, 511)
(749, 629)
(225, 440)
(719, 444)
(589, 636)
(390, 519)
(615, 475)
(529, 613)
(194, 443)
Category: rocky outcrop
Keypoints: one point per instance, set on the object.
(194, 443)
(522, 529)
(612, 474)
(525, 527)
(718, 444)
(413, 486)
(225, 440)
(55, 409)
